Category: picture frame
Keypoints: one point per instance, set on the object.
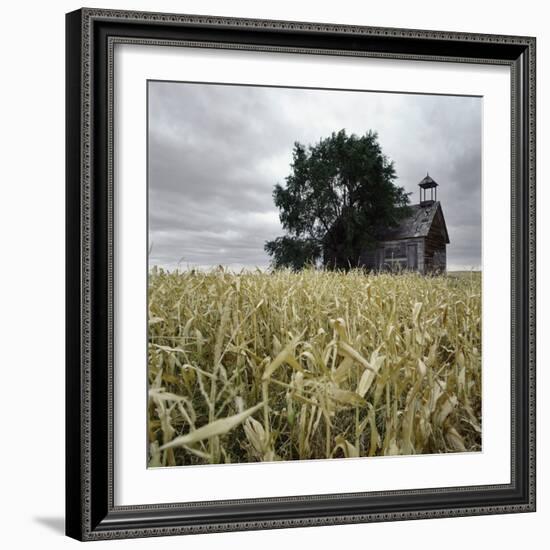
(91, 509)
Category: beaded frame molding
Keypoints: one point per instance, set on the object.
(90, 39)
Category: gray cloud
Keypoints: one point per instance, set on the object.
(215, 153)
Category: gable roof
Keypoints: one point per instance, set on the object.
(417, 224)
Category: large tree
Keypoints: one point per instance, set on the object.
(338, 197)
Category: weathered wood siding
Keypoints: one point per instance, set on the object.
(435, 255)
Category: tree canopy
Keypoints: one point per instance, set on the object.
(339, 195)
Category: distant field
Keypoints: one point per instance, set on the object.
(260, 367)
(464, 273)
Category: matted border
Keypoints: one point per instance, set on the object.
(91, 35)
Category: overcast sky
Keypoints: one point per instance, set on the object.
(215, 153)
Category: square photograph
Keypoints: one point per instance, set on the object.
(314, 273)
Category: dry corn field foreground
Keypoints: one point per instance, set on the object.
(315, 364)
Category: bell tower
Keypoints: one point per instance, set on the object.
(428, 197)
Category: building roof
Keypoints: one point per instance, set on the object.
(417, 224)
(428, 182)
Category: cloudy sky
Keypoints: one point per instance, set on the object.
(215, 153)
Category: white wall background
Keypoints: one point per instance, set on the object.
(32, 274)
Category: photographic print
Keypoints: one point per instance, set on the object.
(314, 274)
(300, 267)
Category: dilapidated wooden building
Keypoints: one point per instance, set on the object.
(418, 243)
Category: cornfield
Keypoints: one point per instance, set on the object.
(256, 366)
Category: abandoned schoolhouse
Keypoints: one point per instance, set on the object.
(418, 243)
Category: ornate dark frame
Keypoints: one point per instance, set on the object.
(90, 510)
